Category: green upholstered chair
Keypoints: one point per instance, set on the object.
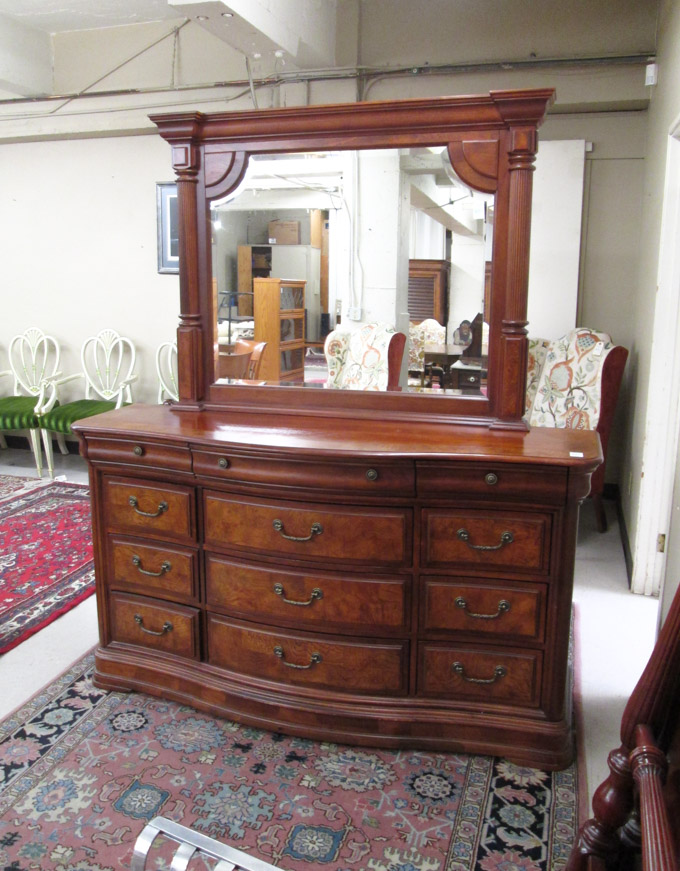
(34, 364)
(108, 361)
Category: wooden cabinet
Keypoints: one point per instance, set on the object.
(252, 261)
(369, 584)
(280, 322)
(428, 290)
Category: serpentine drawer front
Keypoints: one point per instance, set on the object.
(307, 531)
(350, 666)
(403, 591)
(321, 600)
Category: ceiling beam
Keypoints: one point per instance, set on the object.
(25, 59)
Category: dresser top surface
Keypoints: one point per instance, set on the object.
(349, 437)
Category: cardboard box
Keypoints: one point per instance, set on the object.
(284, 232)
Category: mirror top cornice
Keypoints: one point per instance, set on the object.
(491, 141)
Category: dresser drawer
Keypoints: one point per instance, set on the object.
(338, 533)
(326, 601)
(308, 660)
(140, 453)
(324, 476)
(460, 672)
(163, 510)
(487, 539)
(155, 624)
(164, 570)
(544, 485)
(484, 608)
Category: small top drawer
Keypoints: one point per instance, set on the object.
(140, 453)
(337, 476)
(164, 510)
(546, 485)
(318, 532)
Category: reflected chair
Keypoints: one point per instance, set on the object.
(368, 358)
(34, 363)
(577, 388)
(233, 365)
(427, 332)
(256, 350)
(166, 369)
(107, 362)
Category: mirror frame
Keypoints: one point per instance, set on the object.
(491, 141)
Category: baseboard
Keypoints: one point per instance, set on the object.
(21, 443)
(612, 492)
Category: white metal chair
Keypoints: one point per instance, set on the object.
(166, 367)
(34, 364)
(193, 845)
(108, 360)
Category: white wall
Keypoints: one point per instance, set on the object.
(78, 223)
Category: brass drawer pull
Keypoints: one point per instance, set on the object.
(506, 538)
(162, 506)
(491, 478)
(316, 594)
(167, 626)
(372, 474)
(223, 463)
(316, 529)
(138, 451)
(499, 672)
(314, 659)
(165, 567)
(503, 606)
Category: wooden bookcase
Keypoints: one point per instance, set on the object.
(280, 322)
(252, 261)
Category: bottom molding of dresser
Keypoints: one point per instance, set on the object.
(371, 721)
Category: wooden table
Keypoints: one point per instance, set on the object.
(442, 355)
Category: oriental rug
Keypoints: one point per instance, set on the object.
(83, 770)
(45, 556)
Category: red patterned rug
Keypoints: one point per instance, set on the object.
(45, 555)
(82, 771)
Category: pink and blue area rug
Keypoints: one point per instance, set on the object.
(83, 770)
(45, 554)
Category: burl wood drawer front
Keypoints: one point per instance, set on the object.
(306, 660)
(489, 675)
(155, 624)
(498, 539)
(546, 485)
(330, 602)
(162, 510)
(160, 569)
(379, 537)
(324, 476)
(140, 453)
(484, 609)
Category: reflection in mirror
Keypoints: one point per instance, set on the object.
(315, 242)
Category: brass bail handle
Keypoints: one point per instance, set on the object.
(162, 506)
(316, 529)
(317, 593)
(166, 565)
(503, 606)
(167, 626)
(506, 538)
(499, 672)
(314, 659)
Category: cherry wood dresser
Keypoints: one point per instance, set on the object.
(359, 581)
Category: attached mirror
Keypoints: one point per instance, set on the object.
(416, 211)
(378, 236)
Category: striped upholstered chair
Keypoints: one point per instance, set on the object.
(34, 362)
(108, 361)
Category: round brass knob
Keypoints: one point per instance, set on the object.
(223, 463)
(138, 450)
(491, 478)
(372, 474)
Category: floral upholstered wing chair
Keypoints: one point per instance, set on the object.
(576, 387)
(368, 358)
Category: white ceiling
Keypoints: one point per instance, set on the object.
(58, 16)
